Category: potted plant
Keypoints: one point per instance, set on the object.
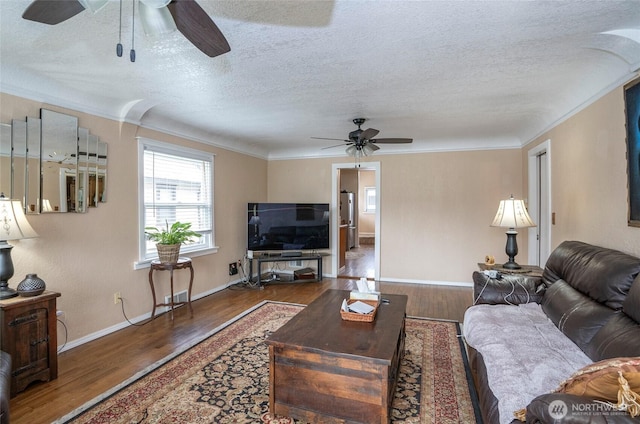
(169, 239)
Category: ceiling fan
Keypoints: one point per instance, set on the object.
(361, 142)
(158, 16)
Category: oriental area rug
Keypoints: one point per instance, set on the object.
(225, 378)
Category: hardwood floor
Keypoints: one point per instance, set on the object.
(359, 262)
(90, 369)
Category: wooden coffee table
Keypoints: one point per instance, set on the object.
(324, 369)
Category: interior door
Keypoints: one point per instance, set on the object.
(540, 203)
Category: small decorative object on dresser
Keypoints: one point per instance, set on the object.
(32, 285)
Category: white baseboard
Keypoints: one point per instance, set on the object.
(125, 324)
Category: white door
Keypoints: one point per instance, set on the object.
(540, 203)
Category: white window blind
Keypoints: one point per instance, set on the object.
(176, 185)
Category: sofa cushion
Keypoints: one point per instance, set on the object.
(574, 313)
(620, 336)
(631, 305)
(510, 289)
(603, 274)
(601, 380)
(511, 340)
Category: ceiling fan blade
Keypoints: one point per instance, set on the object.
(52, 12)
(337, 145)
(194, 23)
(392, 140)
(368, 134)
(334, 139)
(373, 147)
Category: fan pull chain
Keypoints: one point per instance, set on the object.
(132, 53)
(119, 45)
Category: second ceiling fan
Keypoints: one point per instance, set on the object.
(362, 142)
(157, 16)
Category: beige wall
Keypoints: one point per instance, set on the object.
(589, 176)
(88, 257)
(435, 208)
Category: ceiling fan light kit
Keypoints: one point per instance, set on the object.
(156, 4)
(93, 5)
(156, 21)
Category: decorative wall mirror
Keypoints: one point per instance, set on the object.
(51, 165)
(18, 159)
(32, 171)
(101, 173)
(83, 170)
(59, 161)
(5, 159)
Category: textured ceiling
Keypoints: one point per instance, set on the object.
(449, 74)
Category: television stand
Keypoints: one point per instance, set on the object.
(283, 258)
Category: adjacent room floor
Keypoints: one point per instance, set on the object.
(360, 262)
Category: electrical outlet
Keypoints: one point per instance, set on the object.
(233, 268)
(116, 298)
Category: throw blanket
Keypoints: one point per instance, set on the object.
(525, 353)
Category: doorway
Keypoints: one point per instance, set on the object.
(362, 257)
(539, 163)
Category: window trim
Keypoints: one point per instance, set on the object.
(181, 151)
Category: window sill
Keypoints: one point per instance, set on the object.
(146, 263)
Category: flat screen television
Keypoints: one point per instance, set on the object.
(287, 226)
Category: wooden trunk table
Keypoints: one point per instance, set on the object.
(324, 369)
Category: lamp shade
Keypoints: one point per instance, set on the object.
(512, 213)
(13, 222)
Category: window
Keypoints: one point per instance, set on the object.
(175, 184)
(370, 199)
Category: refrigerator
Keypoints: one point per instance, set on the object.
(348, 216)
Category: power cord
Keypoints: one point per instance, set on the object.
(125, 315)
(66, 335)
(513, 289)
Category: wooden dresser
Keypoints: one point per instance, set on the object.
(28, 326)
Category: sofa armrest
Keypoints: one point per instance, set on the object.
(5, 383)
(509, 289)
(576, 410)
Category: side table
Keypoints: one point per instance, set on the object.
(182, 263)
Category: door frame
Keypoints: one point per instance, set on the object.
(534, 201)
(335, 214)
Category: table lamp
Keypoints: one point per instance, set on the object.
(13, 226)
(512, 214)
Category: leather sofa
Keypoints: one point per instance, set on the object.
(591, 294)
(5, 381)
